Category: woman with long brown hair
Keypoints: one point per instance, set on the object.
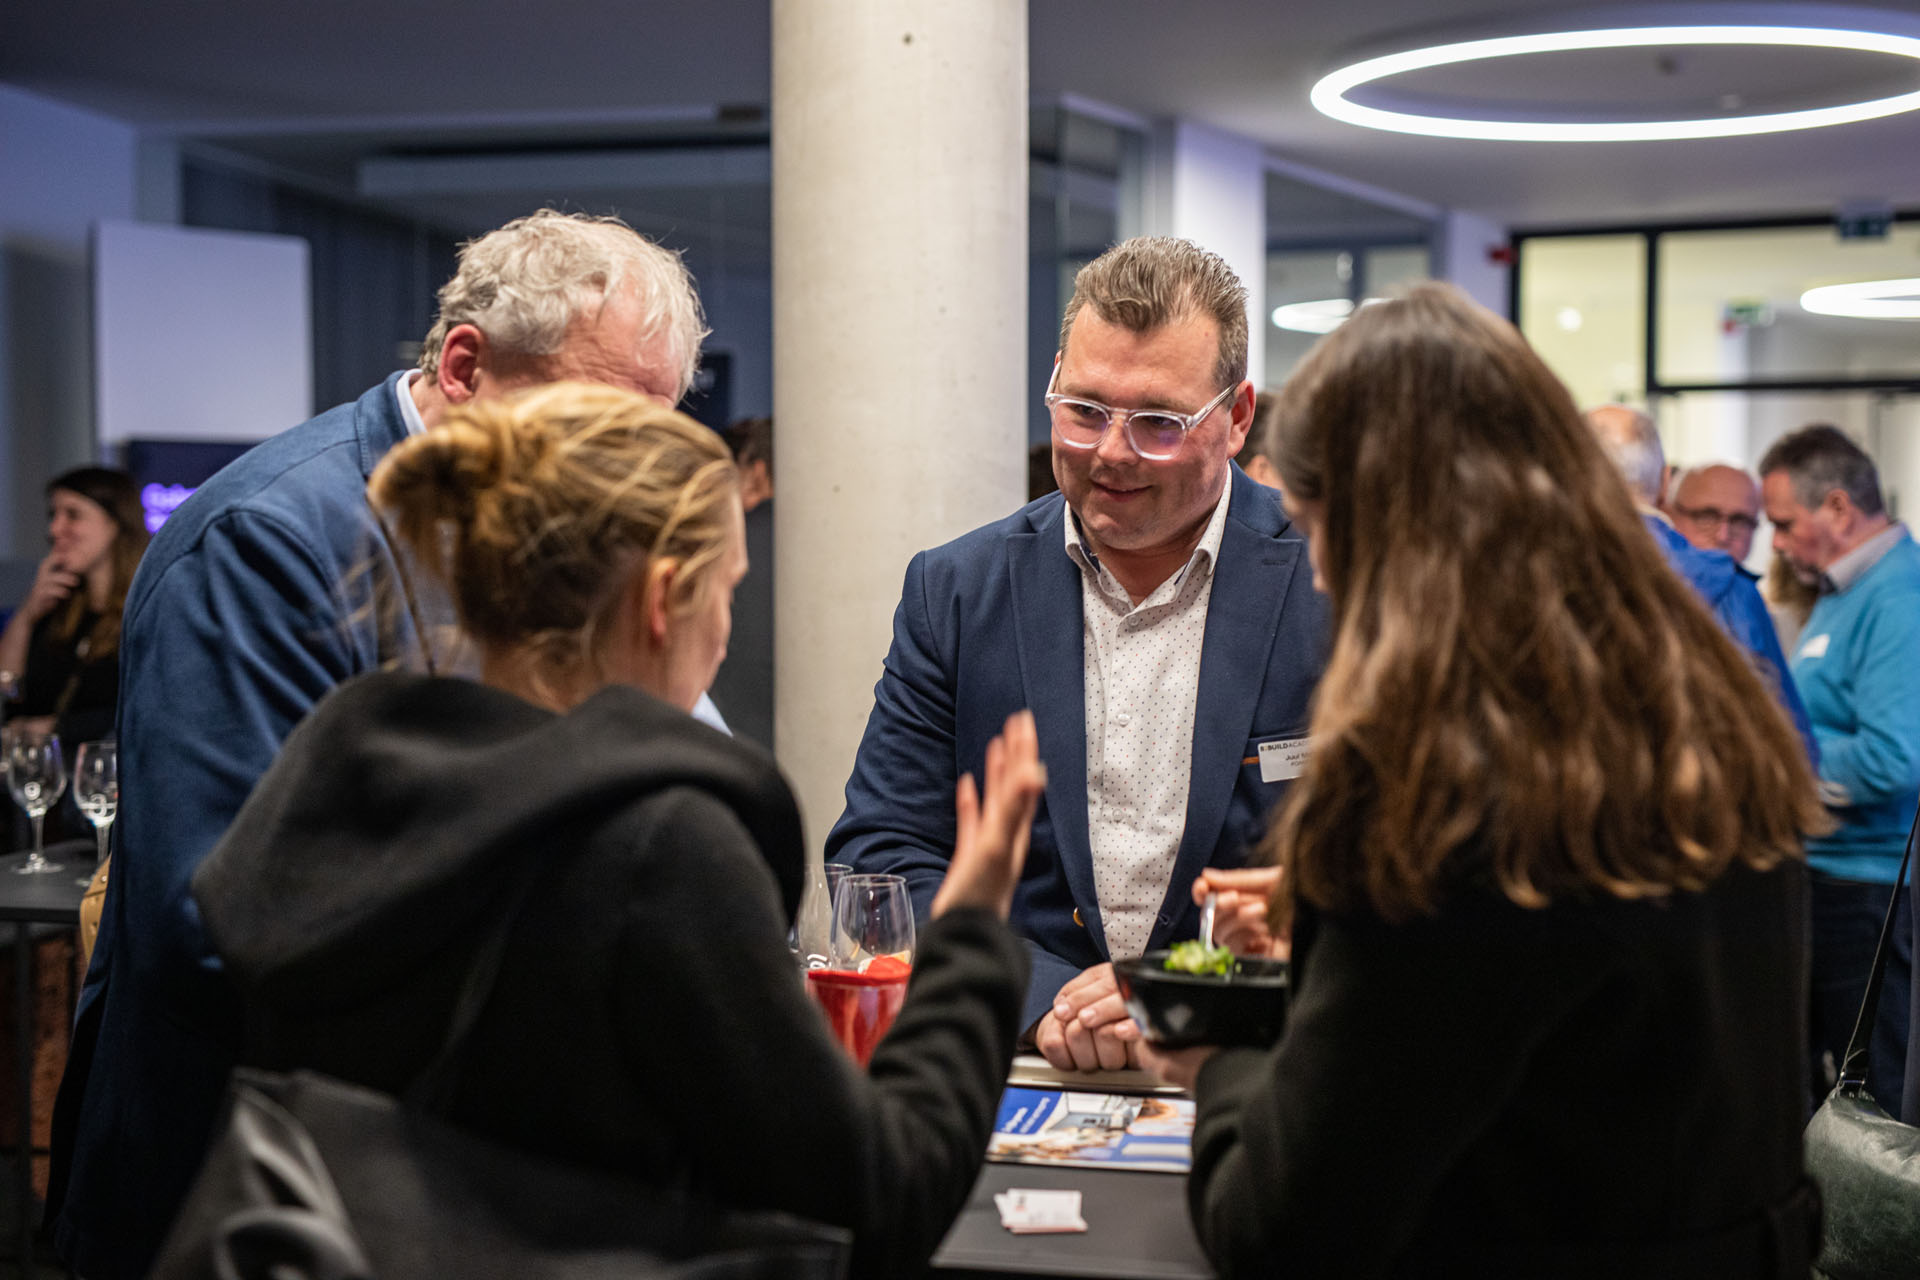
(1542, 873)
(60, 652)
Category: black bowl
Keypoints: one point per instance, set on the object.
(1175, 1010)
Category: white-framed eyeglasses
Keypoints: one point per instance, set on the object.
(1156, 434)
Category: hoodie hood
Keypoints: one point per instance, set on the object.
(400, 814)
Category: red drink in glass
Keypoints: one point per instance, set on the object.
(860, 1006)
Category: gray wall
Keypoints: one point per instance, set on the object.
(60, 171)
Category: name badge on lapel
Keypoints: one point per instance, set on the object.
(1283, 759)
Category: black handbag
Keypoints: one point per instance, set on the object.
(317, 1179)
(1866, 1163)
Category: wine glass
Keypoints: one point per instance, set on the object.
(96, 787)
(36, 775)
(872, 917)
(865, 981)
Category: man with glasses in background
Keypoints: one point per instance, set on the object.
(1158, 615)
(1717, 508)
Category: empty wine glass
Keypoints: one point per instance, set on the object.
(96, 787)
(36, 775)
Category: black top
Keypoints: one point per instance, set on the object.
(1599, 1088)
(648, 1017)
(86, 711)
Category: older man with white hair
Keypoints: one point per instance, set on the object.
(1633, 441)
(269, 587)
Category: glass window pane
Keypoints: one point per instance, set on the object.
(1730, 308)
(1319, 276)
(1392, 268)
(1583, 306)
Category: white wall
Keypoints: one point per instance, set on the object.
(60, 170)
(1465, 241)
(1210, 187)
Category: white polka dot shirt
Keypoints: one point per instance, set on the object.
(1142, 683)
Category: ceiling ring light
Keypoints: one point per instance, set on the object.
(1866, 300)
(1329, 95)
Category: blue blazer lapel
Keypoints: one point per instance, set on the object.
(1250, 583)
(1050, 634)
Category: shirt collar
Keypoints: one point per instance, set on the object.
(1853, 566)
(1207, 552)
(409, 411)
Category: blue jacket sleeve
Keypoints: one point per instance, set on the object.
(1744, 614)
(899, 813)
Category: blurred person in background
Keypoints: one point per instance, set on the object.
(1633, 442)
(1717, 508)
(591, 542)
(1858, 664)
(1542, 873)
(60, 652)
(1252, 457)
(1789, 601)
(743, 690)
(272, 584)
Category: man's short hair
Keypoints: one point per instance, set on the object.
(751, 440)
(1150, 281)
(525, 284)
(1638, 454)
(1821, 458)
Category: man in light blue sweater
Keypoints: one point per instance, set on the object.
(1858, 668)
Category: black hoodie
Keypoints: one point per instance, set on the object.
(647, 1017)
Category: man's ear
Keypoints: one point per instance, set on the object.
(657, 596)
(463, 355)
(1242, 420)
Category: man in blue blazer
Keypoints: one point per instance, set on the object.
(1161, 597)
(268, 587)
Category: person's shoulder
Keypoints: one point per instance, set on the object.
(982, 545)
(1258, 507)
(307, 481)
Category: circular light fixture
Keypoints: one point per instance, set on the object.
(1329, 96)
(1866, 299)
(1570, 319)
(1323, 315)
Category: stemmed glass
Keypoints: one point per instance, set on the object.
(872, 917)
(865, 982)
(36, 775)
(96, 786)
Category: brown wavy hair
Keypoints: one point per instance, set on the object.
(1521, 694)
(533, 510)
(115, 493)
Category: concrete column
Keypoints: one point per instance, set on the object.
(899, 285)
(1210, 187)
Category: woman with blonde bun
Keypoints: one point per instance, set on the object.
(590, 542)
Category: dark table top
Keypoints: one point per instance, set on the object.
(1137, 1229)
(50, 897)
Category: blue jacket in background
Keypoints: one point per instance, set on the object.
(255, 599)
(1730, 592)
(1858, 661)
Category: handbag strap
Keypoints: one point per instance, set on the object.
(432, 1090)
(1853, 1067)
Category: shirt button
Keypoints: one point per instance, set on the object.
(1122, 718)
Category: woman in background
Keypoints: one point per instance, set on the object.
(1542, 874)
(60, 652)
(647, 1018)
